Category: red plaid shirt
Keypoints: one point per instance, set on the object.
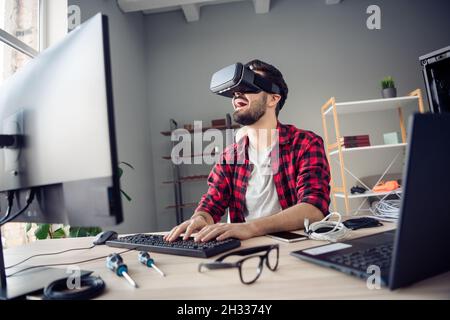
(302, 175)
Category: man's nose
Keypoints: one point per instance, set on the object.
(238, 94)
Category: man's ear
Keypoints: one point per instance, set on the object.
(274, 99)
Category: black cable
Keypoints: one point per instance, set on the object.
(8, 212)
(47, 254)
(91, 287)
(30, 198)
(62, 264)
(10, 198)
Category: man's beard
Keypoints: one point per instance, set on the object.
(252, 114)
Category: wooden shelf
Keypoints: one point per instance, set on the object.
(367, 194)
(377, 147)
(184, 205)
(193, 157)
(372, 105)
(169, 133)
(335, 110)
(188, 179)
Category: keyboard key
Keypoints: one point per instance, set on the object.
(362, 259)
(156, 243)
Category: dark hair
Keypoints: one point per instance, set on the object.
(273, 74)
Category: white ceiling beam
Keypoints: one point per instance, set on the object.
(168, 9)
(191, 8)
(261, 6)
(191, 12)
(145, 5)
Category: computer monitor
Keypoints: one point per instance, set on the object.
(436, 73)
(61, 106)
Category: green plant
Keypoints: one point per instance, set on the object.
(45, 230)
(78, 232)
(387, 82)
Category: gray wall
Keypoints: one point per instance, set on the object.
(323, 51)
(129, 58)
(162, 67)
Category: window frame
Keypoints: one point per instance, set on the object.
(20, 46)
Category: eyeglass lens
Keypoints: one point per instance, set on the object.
(251, 269)
(272, 259)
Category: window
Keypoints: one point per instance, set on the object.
(19, 40)
(20, 18)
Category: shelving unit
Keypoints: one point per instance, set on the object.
(365, 195)
(178, 180)
(188, 178)
(336, 149)
(184, 205)
(377, 147)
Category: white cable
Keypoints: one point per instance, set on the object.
(339, 230)
(386, 210)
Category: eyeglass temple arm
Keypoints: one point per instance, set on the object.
(246, 251)
(216, 265)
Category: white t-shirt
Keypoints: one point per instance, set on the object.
(261, 198)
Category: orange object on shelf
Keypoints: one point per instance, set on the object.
(384, 186)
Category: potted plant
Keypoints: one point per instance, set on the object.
(388, 88)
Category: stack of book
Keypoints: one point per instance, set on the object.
(355, 141)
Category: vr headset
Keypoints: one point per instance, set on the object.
(238, 78)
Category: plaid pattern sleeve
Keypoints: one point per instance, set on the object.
(313, 179)
(216, 200)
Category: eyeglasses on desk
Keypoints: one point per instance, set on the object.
(250, 268)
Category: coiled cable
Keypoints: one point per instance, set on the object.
(327, 229)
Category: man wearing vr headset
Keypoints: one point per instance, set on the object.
(260, 200)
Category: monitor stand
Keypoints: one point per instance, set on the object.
(29, 281)
(32, 280)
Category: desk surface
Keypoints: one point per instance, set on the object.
(294, 279)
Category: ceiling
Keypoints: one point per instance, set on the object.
(191, 8)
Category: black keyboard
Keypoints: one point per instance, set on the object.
(190, 248)
(380, 256)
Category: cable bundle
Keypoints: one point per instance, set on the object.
(386, 210)
(326, 229)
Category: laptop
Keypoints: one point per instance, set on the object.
(419, 248)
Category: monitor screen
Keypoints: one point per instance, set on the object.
(61, 103)
(436, 71)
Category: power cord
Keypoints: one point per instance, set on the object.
(29, 200)
(62, 264)
(327, 230)
(90, 287)
(46, 254)
(10, 199)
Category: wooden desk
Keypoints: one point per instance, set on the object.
(294, 279)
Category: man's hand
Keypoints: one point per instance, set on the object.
(222, 231)
(190, 226)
